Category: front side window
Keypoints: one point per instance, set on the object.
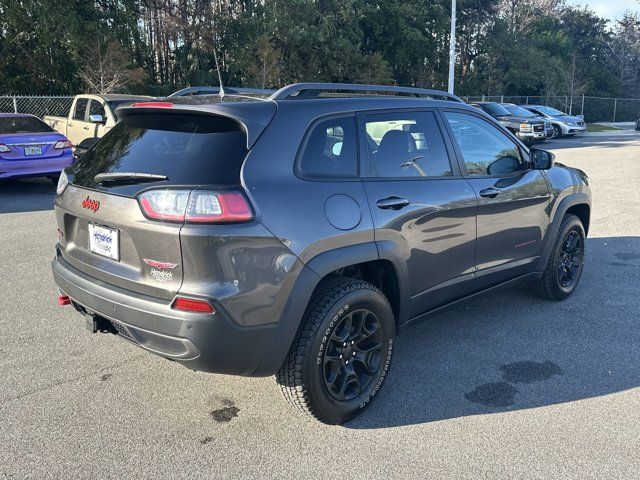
(331, 149)
(81, 108)
(96, 108)
(406, 144)
(486, 150)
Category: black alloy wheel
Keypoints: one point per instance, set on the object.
(353, 355)
(570, 260)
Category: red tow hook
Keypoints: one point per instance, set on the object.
(63, 300)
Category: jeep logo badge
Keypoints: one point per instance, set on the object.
(90, 204)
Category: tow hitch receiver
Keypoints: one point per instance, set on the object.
(96, 324)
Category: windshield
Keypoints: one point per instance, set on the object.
(495, 109)
(550, 111)
(187, 149)
(23, 125)
(519, 111)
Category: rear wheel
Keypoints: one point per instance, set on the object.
(564, 268)
(342, 352)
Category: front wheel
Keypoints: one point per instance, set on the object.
(557, 131)
(564, 268)
(342, 352)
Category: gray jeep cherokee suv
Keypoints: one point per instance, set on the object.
(295, 235)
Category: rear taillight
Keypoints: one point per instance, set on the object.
(4, 148)
(192, 305)
(63, 144)
(63, 181)
(197, 206)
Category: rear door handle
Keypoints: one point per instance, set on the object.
(86, 128)
(393, 203)
(490, 192)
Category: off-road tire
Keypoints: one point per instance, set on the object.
(302, 375)
(549, 285)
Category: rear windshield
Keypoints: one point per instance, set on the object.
(23, 125)
(188, 149)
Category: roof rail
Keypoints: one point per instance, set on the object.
(216, 90)
(311, 90)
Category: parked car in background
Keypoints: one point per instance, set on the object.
(517, 111)
(91, 116)
(30, 148)
(562, 123)
(529, 130)
(183, 230)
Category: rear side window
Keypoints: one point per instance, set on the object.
(406, 144)
(81, 108)
(188, 149)
(330, 149)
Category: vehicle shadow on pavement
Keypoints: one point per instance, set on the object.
(27, 195)
(511, 350)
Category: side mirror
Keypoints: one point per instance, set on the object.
(541, 159)
(96, 119)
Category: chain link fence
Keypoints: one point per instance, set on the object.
(593, 109)
(36, 105)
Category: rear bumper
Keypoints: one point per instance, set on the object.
(34, 168)
(205, 342)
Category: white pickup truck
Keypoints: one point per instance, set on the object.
(91, 116)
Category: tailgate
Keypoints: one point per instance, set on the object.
(148, 255)
(104, 232)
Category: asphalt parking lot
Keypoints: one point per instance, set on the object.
(508, 386)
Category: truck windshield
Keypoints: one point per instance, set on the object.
(23, 125)
(495, 109)
(519, 111)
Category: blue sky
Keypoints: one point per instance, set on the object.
(609, 9)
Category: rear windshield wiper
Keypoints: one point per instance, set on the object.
(128, 177)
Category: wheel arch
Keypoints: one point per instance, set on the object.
(578, 204)
(367, 259)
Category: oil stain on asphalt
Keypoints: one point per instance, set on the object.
(227, 413)
(503, 394)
